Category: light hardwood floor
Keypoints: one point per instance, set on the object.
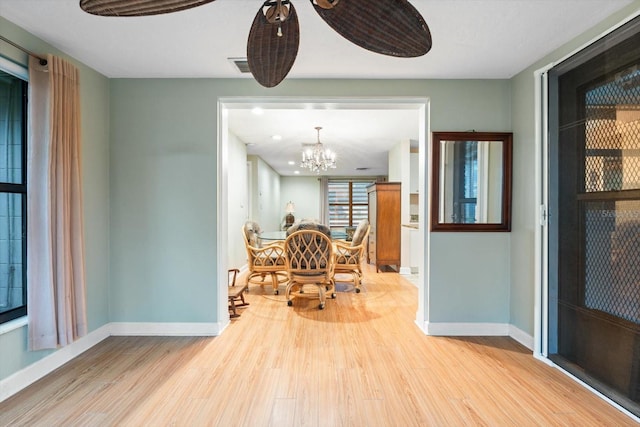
(361, 361)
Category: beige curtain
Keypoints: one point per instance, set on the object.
(55, 240)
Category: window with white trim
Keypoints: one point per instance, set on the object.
(13, 191)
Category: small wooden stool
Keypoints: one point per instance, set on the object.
(236, 293)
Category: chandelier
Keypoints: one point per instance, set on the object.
(318, 158)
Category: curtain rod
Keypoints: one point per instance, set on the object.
(43, 61)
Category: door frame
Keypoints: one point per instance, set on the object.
(421, 104)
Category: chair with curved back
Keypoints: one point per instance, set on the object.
(309, 255)
(263, 260)
(349, 256)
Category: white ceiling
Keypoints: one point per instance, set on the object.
(471, 38)
(361, 133)
(492, 39)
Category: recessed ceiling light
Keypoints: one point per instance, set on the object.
(276, 137)
(291, 162)
(296, 172)
(257, 111)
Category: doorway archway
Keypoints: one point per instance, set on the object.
(417, 105)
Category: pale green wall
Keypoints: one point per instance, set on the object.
(479, 292)
(265, 195)
(469, 278)
(254, 214)
(521, 308)
(304, 192)
(237, 211)
(94, 102)
(270, 213)
(163, 177)
(163, 201)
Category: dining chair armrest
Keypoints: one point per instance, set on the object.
(347, 254)
(341, 244)
(277, 243)
(270, 247)
(345, 247)
(270, 255)
(271, 250)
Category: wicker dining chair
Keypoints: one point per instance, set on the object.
(349, 255)
(309, 255)
(263, 260)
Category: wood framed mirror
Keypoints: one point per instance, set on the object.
(471, 181)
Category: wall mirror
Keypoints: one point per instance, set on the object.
(471, 181)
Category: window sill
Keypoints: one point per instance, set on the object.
(13, 324)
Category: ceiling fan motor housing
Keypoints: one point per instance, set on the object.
(276, 11)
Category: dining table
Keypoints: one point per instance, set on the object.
(282, 235)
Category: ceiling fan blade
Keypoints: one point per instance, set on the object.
(389, 27)
(270, 56)
(137, 7)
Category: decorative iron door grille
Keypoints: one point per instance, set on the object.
(594, 273)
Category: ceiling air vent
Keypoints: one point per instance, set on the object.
(241, 64)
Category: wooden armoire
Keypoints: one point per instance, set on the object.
(384, 216)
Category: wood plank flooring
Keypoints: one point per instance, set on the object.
(361, 361)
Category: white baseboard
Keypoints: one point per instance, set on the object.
(478, 329)
(164, 329)
(405, 271)
(521, 336)
(32, 373)
(422, 326)
(466, 329)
